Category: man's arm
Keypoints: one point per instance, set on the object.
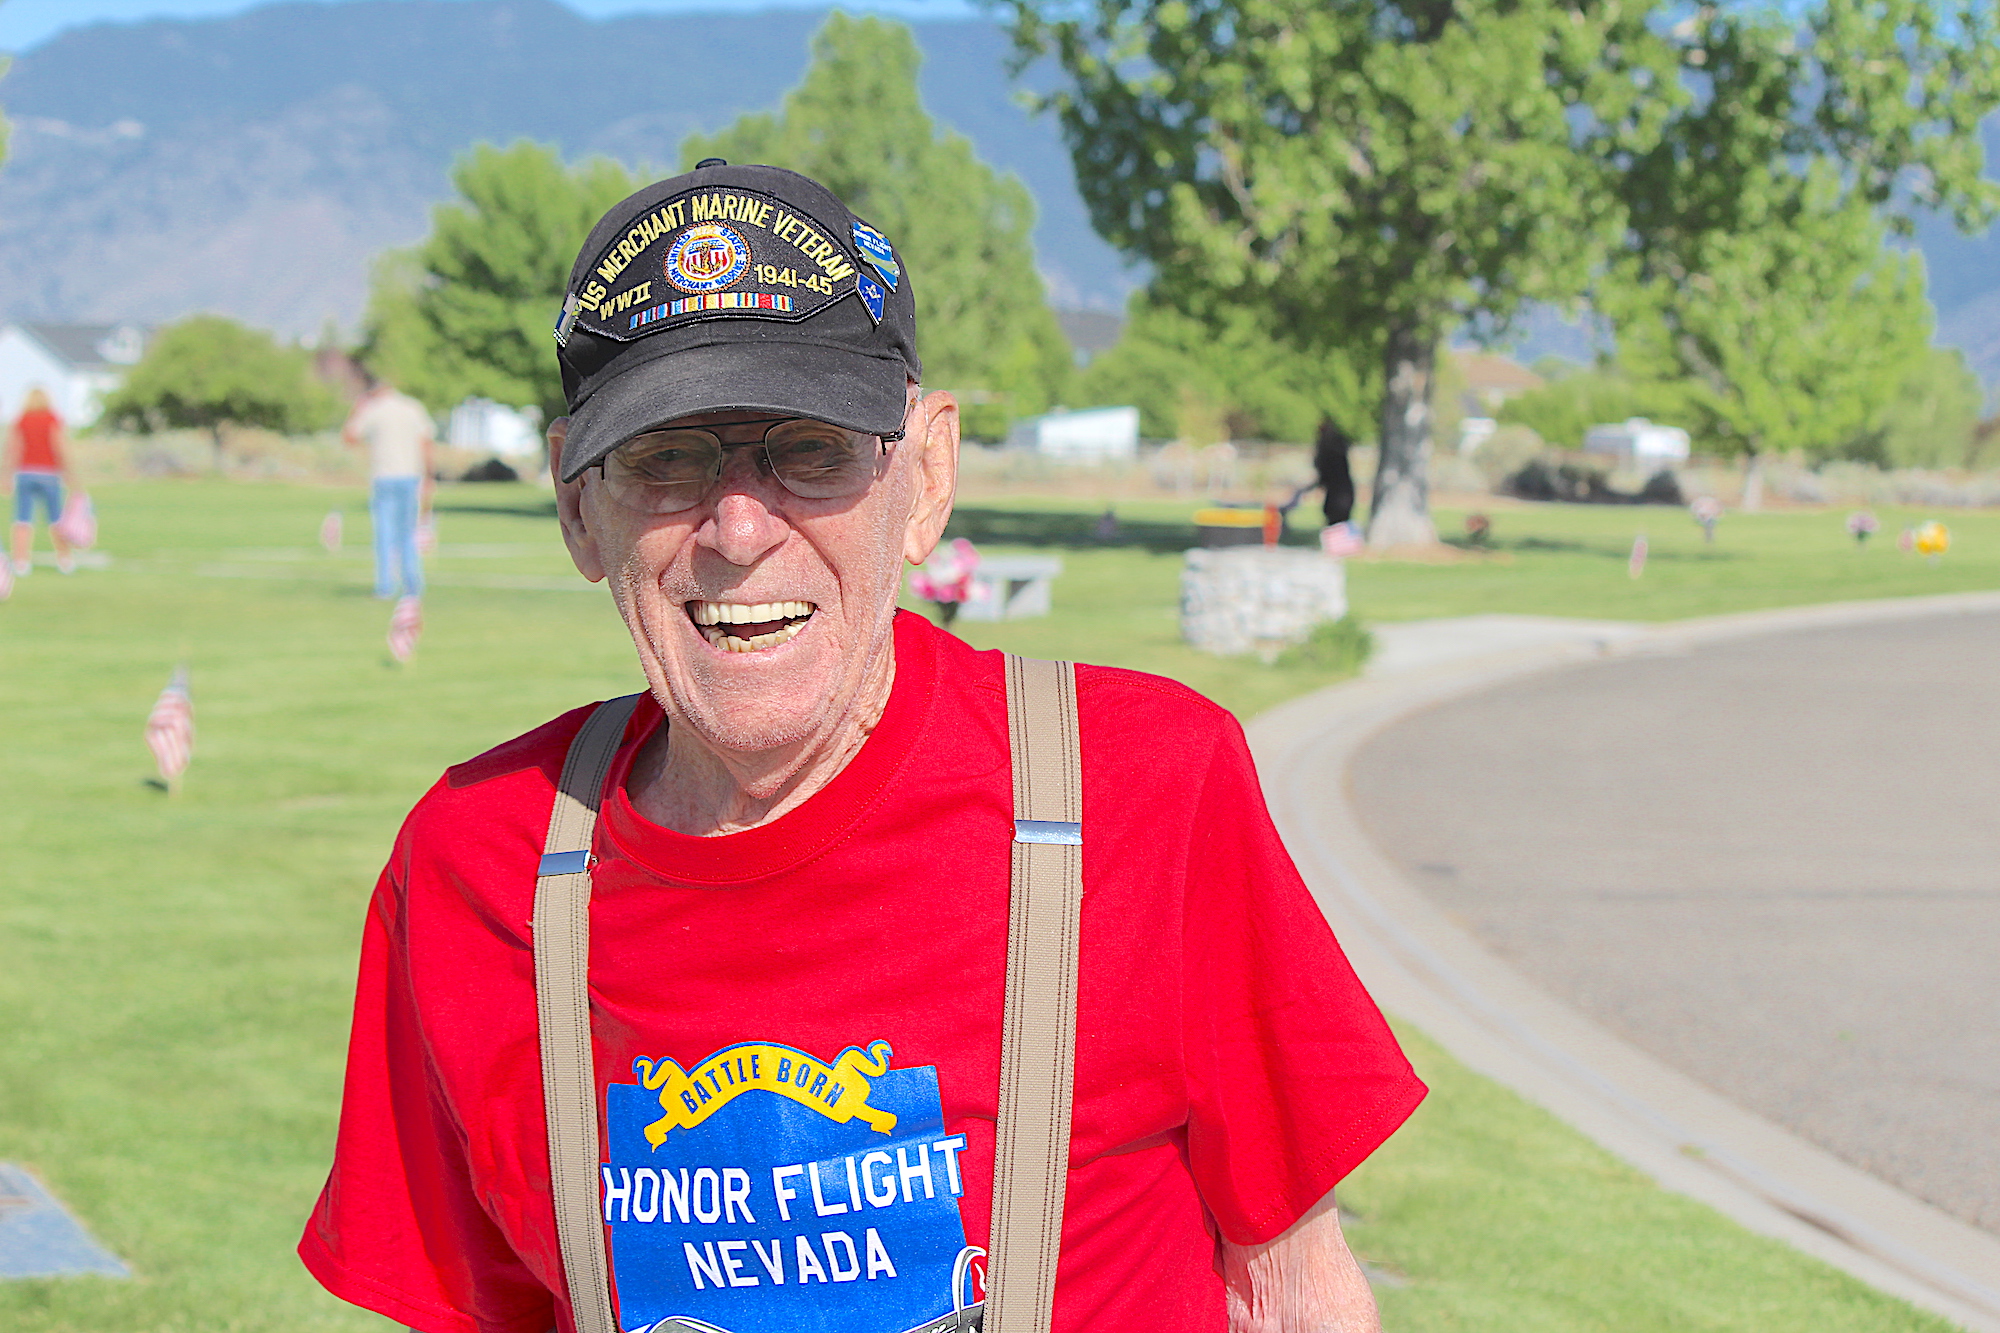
(1305, 1281)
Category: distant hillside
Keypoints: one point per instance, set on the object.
(256, 164)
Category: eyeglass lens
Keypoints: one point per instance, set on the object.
(664, 471)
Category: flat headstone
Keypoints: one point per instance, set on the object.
(38, 1238)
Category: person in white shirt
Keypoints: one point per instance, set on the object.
(396, 430)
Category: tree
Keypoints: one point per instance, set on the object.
(1369, 174)
(857, 125)
(1755, 268)
(1383, 171)
(208, 372)
(467, 311)
(1798, 332)
(1934, 420)
(5, 61)
(1171, 365)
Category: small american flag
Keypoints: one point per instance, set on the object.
(170, 728)
(329, 532)
(1637, 565)
(406, 623)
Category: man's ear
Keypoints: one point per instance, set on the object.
(936, 438)
(569, 509)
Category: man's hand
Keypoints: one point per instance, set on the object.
(1305, 1281)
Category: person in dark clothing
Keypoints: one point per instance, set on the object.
(1330, 461)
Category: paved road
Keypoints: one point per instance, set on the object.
(1773, 862)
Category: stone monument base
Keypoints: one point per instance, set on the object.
(1260, 599)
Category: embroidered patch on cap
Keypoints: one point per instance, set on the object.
(872, 295)
(707, 258)
(734, 252)
(875, 248)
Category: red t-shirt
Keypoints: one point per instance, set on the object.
(38, 441)
(798, 1034)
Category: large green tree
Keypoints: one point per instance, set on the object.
(857, 124)
(467, 311)
(208, 373)
(1381, 172)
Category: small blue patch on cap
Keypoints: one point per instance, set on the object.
(567, 319)
(875, 248)
(872, 295)
(39, 1239)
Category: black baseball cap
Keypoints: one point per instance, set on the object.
(729, 288)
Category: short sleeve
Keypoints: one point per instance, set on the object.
(399, 1229)
(1293, 1075)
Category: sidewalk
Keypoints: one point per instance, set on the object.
(1425, 968)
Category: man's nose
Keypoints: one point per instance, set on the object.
(743, 528)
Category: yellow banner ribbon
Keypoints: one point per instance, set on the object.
(838, 1091)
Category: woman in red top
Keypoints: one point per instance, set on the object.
(37, 472)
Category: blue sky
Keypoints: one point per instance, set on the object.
(26, 23)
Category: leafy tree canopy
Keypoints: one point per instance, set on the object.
(1933, 421)
(1797, 332)
(208, 372)
(857, 125)
(467, 311)
(1380, 172)
(1227, 375)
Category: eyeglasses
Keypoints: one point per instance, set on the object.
(666, 471)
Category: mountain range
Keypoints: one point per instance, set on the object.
(257, 164)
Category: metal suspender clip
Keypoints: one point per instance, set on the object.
(1060, 832)
(566, 863)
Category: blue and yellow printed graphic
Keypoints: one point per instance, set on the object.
(766, 1189)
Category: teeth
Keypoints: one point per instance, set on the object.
(729, 643)
(739, 613)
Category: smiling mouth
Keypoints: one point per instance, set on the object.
(738, 627)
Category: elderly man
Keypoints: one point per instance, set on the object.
(798, 890)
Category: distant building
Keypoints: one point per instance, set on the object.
(77, 364)
(488, 427)
(1080, 437)
(1491, 379)
(1639, 442)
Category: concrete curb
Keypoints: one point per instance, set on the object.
(1424, 967)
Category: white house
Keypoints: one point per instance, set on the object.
(1080, 437)
(489, 427)
(77, 364)
(1640, 441)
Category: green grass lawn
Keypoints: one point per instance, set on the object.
(177, 970)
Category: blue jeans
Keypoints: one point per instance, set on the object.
(392, 507)
(32, 486)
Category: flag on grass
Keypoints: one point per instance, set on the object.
(406, 623)
(329, 532)
(170, 728)
(1637, 565)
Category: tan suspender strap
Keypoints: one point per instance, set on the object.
(1038, 1033)
(562, 1004)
